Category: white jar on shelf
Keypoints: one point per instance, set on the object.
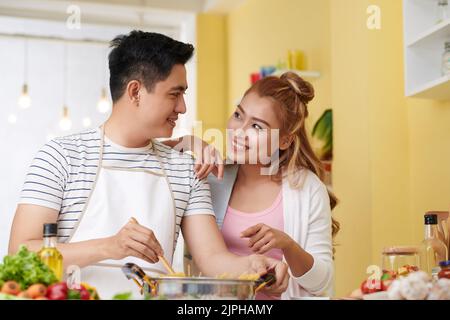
(442, 11)
(446, 60)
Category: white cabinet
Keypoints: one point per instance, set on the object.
(424, 44)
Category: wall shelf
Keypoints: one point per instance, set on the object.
(439, 32)
(424, 46)
(437, 89)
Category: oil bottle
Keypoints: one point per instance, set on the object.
(432, 250)
(49, 254)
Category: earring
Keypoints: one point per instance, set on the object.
(137, 100)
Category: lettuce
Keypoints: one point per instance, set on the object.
(26, 269)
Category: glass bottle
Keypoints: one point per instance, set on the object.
(442, 11)
(49, 254)
(446, 60)
(432, 250)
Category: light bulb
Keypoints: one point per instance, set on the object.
(12, 118)
(65, 123)
(87, 122)
(103, 105)
(24, 99)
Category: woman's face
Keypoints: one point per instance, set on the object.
(252, 130)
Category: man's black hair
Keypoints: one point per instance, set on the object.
(145, 56)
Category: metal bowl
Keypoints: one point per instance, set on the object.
(192, 288)
(200, 288)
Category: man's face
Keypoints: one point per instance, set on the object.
(158, 110)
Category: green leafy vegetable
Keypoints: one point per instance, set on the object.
(26, 269)
(4, 296)
(73, 295)
(123, 296)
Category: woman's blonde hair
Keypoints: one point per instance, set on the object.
(291, 94)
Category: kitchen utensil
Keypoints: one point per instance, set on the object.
(195, 288)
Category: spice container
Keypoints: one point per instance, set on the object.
(400, 261)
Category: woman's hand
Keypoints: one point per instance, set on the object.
(207, 158)
(263, 238)
(261, 264)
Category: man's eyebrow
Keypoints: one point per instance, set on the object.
(179, 88)
(254, 118)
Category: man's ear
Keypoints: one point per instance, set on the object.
(286, 141)
(132, 91)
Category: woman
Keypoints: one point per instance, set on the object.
(284, 213)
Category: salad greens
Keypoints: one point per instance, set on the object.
(26, 269)
(123, 296)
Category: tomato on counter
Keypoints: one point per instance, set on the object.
(445, 270)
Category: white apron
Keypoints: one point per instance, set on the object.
(118, 195)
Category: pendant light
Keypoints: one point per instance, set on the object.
(65, 123)
(103, 104)
(24, 99)
(87, 122)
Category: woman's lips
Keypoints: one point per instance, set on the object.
(238, 146)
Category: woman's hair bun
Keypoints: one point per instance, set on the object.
(303, 88)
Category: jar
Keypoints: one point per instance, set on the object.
(445, 270)
(446, 60)
(400, 261)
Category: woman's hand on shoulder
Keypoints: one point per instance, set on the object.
(207, 158)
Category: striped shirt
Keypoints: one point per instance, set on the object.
(62, 175)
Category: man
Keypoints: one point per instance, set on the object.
(94, 182)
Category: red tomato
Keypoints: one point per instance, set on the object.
(57, 291)
(84, 294)
(371, 286)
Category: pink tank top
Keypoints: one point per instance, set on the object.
(236, 221)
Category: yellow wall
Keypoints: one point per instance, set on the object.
(211, 55)
(261, 32)
(391, 153)
(351, 163)
(429, 144)
(371, 167)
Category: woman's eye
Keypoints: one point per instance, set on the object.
(258, 127)
(237, 115)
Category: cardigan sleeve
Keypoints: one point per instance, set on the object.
(319, 279)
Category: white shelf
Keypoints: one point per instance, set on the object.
(437, 89)
(301, 73)
(424, 46)
(439, 32)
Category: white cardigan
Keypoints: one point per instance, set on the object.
(307, 220)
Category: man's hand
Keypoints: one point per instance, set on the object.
(263, 238)
(134, 240)
(260, 264)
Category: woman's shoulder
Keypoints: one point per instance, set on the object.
(305, 180)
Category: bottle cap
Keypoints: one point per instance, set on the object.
(444, 264)
(431, 219)
(50, 229)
